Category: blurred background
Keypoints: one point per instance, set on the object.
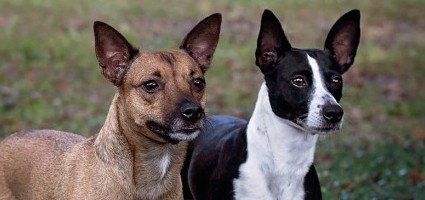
(49, 77)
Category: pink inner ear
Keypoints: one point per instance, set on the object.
(267, 58)
(201, 52)
(342, 49)
(116, 57)
(110, 54)
(118, 60)
(115, 67)
(343, 59)
(201, 46)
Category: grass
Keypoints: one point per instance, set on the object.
(49, 77)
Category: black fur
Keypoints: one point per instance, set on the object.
(213, 176)
(222, 149)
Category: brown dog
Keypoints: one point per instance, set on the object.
(139, 152)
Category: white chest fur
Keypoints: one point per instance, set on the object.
(279, 156)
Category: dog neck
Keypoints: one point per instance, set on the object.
(148, 165)
(279, 155)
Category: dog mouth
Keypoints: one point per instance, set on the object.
(176, 133)
(323, 128)
(157, 128)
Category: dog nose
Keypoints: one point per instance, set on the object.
(192, 112)
(332, 113)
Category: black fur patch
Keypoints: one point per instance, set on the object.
(168, 58)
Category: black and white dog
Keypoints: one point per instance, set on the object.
(271, 156)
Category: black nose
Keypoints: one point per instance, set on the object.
(332, 113)
(191, 111)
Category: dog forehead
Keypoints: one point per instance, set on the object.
(293, 61)
(296, 61)
(323, 59)
(176, 62)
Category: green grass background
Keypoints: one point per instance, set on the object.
(49, 77)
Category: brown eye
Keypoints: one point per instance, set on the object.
(336, 81)
(150, 86)
(299, 81)
(198, 83)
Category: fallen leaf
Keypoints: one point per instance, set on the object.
(415, 177)
(419, 134)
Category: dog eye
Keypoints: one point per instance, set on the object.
(150, 86)
(299, 81)
(336, 81)
(198, 83)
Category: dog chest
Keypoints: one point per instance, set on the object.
(279, 156)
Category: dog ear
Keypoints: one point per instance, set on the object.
(271, 42)
(201, 41)
(343, 39)
(113, 52)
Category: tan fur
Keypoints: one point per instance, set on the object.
(125, 160)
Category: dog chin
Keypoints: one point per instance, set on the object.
(184, 135)
(325, 129)
(322, 130)
(174, 135)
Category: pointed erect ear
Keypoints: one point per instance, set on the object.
(112, 51)
(343, 39)
(271, 43)
(201, 41)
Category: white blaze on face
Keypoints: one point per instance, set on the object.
(319, 97)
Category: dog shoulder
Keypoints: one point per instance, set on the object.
(42, 139)
(218, 152)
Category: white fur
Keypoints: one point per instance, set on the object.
(179, 135)
(183, 136)
(279, 156)
(164, 163)
(319, 97)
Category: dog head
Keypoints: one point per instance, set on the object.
(161, 94)
(305, 85)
